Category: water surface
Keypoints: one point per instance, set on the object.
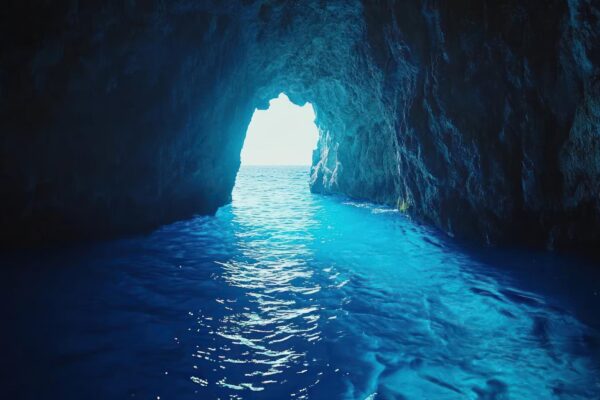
(289, 295)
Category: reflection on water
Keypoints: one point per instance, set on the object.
(288, 295)
(269, 325)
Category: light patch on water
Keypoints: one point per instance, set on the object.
(374, 208)
(285, 294)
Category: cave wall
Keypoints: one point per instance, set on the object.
(490, 126)
(480, 117)
(114, 117)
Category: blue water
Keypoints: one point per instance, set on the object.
(289, 295)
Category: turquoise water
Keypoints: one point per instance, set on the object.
(289, 295)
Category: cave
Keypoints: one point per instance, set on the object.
(482, 118)
(449, 218)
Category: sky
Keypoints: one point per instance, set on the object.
(284, 134)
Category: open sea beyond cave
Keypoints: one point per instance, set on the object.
(289, 295)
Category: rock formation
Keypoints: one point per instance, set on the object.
(480, 117)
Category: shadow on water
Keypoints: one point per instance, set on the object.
(285, 294)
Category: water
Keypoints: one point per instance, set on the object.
(288, 295)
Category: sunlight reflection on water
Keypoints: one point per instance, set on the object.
(285, 294)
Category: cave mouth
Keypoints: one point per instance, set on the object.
(284, 134)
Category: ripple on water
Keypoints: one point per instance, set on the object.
(284, 294)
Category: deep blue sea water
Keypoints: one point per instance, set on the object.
(289, 295)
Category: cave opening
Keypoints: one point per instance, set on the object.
(284, 134)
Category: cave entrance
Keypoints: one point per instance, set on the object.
(283, 134)
(271, 193)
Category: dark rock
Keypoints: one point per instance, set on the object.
(489, 127)
(481, 118)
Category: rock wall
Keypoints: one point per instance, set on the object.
(116, 116)
(489, 127)
(480, 117)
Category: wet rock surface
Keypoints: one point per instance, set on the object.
(481, 118)
(489, 128)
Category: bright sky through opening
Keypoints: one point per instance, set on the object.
(284, 134)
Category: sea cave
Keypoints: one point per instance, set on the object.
(300, 199)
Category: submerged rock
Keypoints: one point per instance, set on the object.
(482, 119)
